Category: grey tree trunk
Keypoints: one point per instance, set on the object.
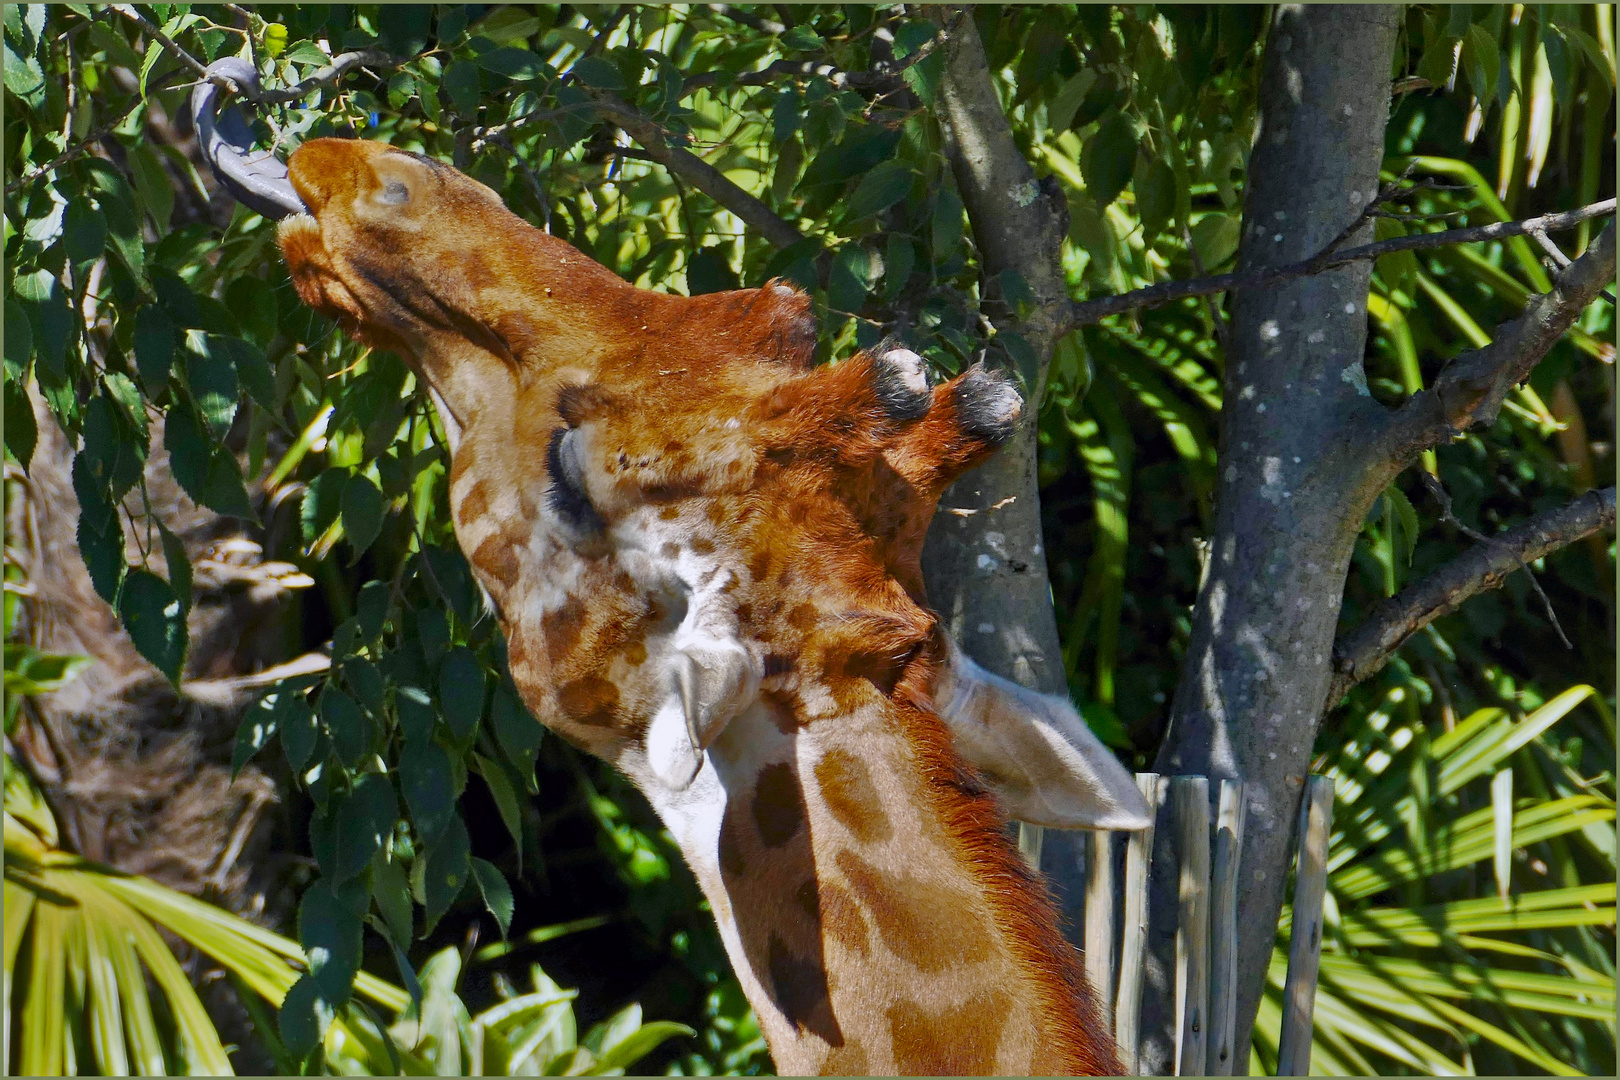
(1296, 479)
(983, 564)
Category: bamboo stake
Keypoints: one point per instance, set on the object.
(1305, 938)
(1190, 800)
(1100, 928)
(1133, 947)
(1229, 820)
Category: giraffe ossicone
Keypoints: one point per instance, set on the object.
(705, 554)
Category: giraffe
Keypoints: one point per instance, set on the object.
(704, 553)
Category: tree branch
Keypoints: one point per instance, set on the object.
(1086, 312)
(1364, 650)
(697, 172)
(1470, 389)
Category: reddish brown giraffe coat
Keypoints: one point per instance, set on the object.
(704, 554)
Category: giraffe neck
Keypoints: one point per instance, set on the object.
(874, 909)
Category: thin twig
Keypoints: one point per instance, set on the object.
(1209, 301)
(1443, 497)
(1360, 653)
(1086, 312)
(151, 30)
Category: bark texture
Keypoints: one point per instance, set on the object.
(984, 565)
(1295, 480)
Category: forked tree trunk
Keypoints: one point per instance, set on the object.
(1296, 478)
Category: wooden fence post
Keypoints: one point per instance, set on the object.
(1133, 944)
(1101, 930)
(1305, 938)
(1190, 801)
(1229, 817)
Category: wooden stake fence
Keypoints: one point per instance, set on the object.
(1208, 896)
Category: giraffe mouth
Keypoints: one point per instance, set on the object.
(255, 177)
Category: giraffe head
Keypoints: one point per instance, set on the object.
(621, 427)
(705, 555)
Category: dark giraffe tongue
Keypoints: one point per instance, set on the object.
(256, 177)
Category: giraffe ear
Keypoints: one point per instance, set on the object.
(1036, 752)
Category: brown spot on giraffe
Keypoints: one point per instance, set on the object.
(474, 505)
(496, 558)
(778, 804)
(846, 787)
(561, 628)
(842, 917)
(947, 1042)
(905, 909)
(591, 700)
(800, 986)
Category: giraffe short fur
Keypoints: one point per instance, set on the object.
(705, 555)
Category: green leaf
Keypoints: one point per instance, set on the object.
(1215, 238)
(363, 507)
(849, 279)
(299, 730)
(155, 620)
(506, 797)
(641, 1042)
(461, 83)
(21, 431)
(251, 368)
(392, 892)
(496, 892)
(347, 725)
(1108, 157)
(205, 470)
(304, 1017)
(330, 933)
(23, 76)
(100, 535)
(1482, 61)
(1061, 109)
(802, 38)
(1155, 184)
(1407, 519)
(416, 715)
(461, 692)
(211, 377)
(598, 73)
(113, 454)
(518, 733)
(424, 777)
(1439, 61)
(880, 189)
(178, 564)
(153, 185)
(84, 230)
(521, 65)
(29, 671)
(444, 872)
(322, 502)
(258, 727)
(155, 342)
(364, 821)
(19, 341)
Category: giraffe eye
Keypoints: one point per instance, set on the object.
(394, 193)
(567, 496)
